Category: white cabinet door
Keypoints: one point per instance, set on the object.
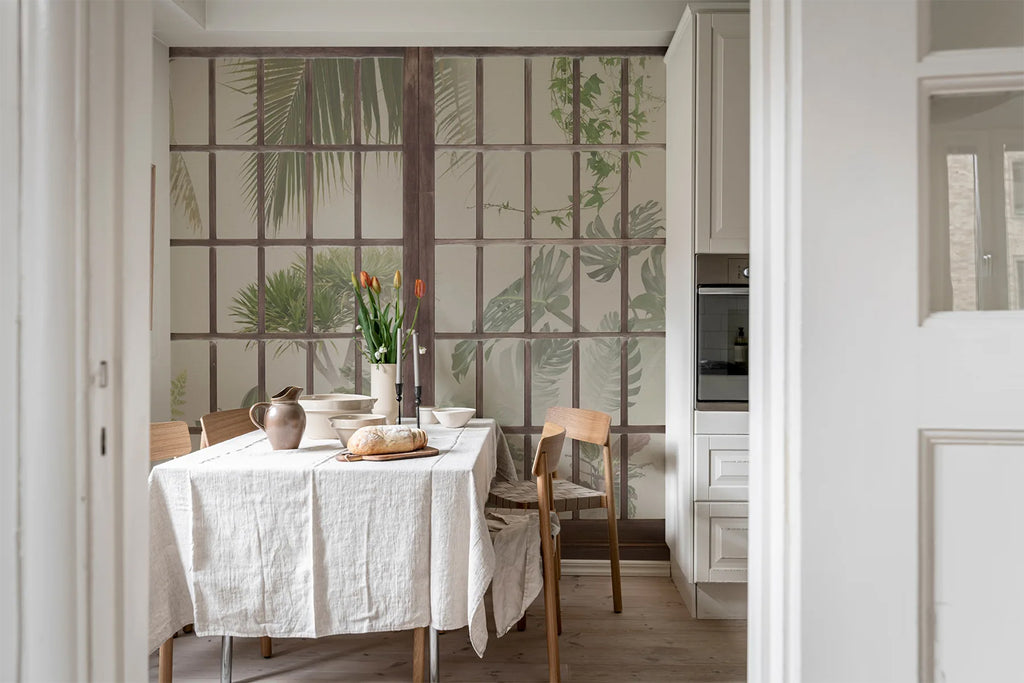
(721, 467)
(720, 546)
(723, 133)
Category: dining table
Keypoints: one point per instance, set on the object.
(247, 541)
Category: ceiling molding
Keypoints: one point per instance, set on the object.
(368, 23)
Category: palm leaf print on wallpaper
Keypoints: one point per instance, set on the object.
(612, 365)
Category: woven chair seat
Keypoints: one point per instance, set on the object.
(568, 496)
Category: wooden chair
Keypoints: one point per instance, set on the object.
(224, 425)
(167, 440)
(545, 466)
(221, 426)
(589, 426)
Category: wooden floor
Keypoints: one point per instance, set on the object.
(654, 639)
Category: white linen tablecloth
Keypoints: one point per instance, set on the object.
(246, 541)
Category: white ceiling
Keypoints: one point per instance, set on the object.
(359, 23)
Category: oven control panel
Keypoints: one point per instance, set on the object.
(738, 271)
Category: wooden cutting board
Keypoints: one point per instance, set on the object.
(425, 452)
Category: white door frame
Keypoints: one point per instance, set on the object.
(77, 119)
(773, 619)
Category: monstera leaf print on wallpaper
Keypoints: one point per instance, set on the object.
(617, 372)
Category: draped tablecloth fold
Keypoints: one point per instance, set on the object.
(246, 541)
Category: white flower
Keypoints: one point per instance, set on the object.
(423, 350)
(382, 349)
(359, 327)
(376, 354)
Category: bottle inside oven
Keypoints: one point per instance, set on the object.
(723, 320)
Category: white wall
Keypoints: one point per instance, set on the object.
(9, 275)
(160, 339)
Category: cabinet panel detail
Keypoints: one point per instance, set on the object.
(721, 467)
(723, 133)
(720, 550)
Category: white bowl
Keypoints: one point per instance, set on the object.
(346, 425)
(427, 415)
(321, 407)
(454, 417)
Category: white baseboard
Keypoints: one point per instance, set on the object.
(721, 601)
(685, 588)
(626, 567)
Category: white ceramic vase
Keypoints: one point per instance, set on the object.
(382, 388)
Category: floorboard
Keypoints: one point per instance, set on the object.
(654, 639)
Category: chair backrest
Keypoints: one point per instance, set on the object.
(549, 449)
(225, 424)
(582, 425)
(168, 440)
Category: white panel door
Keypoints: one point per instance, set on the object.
(881, 557)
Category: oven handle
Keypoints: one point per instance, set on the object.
(734, 291)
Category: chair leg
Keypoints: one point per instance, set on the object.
(265, 647)
(551, 618)
(419, 654)
(558, 604)
(166, 659)
(613, 543)
(558, 557)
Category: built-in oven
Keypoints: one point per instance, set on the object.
(723, 323)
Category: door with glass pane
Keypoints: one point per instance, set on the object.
(898, 428)
(977, 183)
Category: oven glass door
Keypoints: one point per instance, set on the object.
(722, 325)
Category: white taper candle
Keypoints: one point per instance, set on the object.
(415, 359)
(398, 358)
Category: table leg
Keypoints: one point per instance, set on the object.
(435, 658)
(225, 659)
(419, 654)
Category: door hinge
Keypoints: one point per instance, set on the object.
(103, 440)
(101, 376)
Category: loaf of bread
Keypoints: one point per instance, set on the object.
(380, 439)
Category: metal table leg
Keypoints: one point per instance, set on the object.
(225, 659)
(435, 659)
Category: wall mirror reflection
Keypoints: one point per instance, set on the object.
(977, 202)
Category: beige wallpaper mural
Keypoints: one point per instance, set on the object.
(547, 190)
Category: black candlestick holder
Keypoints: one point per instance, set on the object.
(398, 394)
(418, 395)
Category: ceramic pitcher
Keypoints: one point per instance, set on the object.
(284, 420)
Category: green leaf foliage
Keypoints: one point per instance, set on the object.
(602, 263)
(183, 193)
(284, 119)
(179, 385)
(551, 283)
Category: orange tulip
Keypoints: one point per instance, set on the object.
(398, 279)
(375, 284)
(419, 289)
(364, 279)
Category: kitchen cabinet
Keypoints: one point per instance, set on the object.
(721, 470)
(722, 133)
